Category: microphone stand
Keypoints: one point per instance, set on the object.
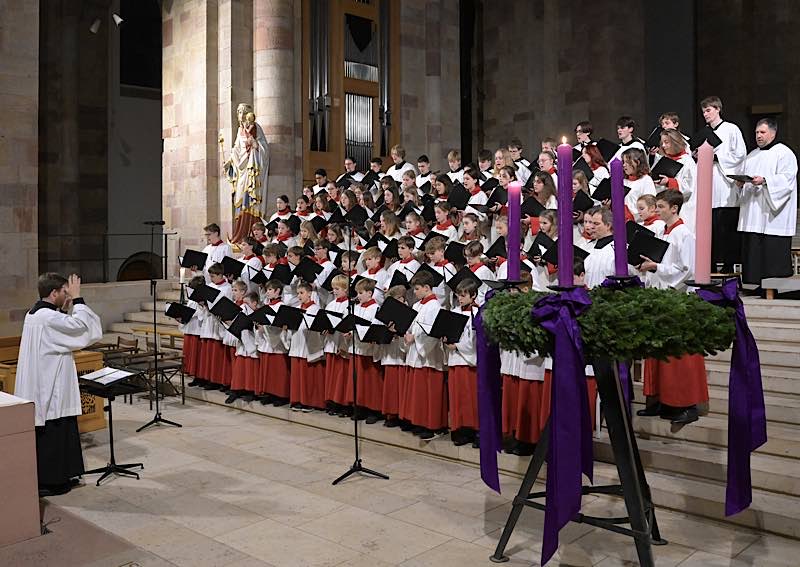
(357, 466)
(157, 419)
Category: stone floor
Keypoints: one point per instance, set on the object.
(238, 489)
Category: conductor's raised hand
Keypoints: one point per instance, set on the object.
(74, 286)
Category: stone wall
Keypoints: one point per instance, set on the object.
(19, 151)
(548, 65)
(429, 73)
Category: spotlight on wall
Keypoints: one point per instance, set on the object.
(117, 19)
(95, 25)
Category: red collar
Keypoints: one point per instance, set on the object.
(651, 219)
(668, 229)
(283, 237)
(262, 260)
(249, 257)
(368, 303)
(305, 306)
(372, 271)
(341, 299)
(284, 215)
(321, 262)
(274, 301)
(475, 267)
(500, 261)
(415, 232)
(303, 213)
(407, 260)
(216, 243)
(239, 302)
(475, 190)
(428, 298)
(632, 177)
(284, 261)
(552, 170)
(467, 307)
(595, 166)
(263, 238)
(677, 156)
(351, 273)
(444, 226)
(441, 264)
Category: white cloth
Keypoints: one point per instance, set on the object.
(599, 265)
(46, 373)
(252, 267)
(269, 339)
(397, 170)
(598, 175)
(305, 343)
(770, 208)
(687, 180)
(465, 353)
(677, 266)
(634, 143)
(729, 156)
(425, 351)
(215, 252)
(642, 186)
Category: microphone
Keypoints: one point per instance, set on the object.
(154, 222)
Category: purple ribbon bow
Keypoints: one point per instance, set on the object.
(747, 420)
(570, 442)
(624, 377)
(489, 401)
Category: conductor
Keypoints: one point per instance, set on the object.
(47, 376)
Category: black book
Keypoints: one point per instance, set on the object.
(644, 244)
(318, 223)
(397, 312)
(425, 188)
(581, 165)
(633, 228)
(225, 309)
(667, 167)
(328, 283)
(337, 217)
(448, 325)
(531, 207)
(179, 312)
(240, 324)
(489, 184)
(389, 250)
(377, 334)
(436, 274)
(322, 322)
(576, 155)
(289, 317)
(399, 278)
(282, 273)
(551, 255)
(603, 191)
(349, 322)
(204, 293)
(344, 182)
(193, 259)
(369, 179)
(282, 249)
(263, 315)
(256, 276)
(455, 252)
(307, 269)
(541, 239)
(232, 266)
(463, 274)
(357, 215)
(582, 202)
(375, 241)
(458, 197)
(428, 238)
(376, 216)
(272, 226)
(705, 134)
(481, 209)
(654, 139)
(498, 197)
(498, 248)
(428, 213)
(308, 249)
(408, 207)
(293, 222)
(607, 148)
(742, 178)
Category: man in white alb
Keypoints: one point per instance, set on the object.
(768, 206)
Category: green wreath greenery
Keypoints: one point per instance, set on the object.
(627, 324)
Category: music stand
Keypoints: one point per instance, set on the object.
(109, 392)
(157, 419)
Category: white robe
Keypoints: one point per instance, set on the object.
(677, 266)
(634, 143)
(730, 155)
(642, 186)
(425, 351)
(46, 373)
(770, 208)
(599, 265)
(465, 353)
(687, 180)
(397, 170)
(216, 252)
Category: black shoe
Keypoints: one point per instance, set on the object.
(685, 416)
(509, 445)
(248, 398)
(211, 386)
(195, 382)
(278, 402)
(406, 425)
(391, 422)
(265, 399)
(426, 434)
(373, 418)
(476, 443)
(417, 430)
(54, 489)
(459, 437)
(232, 398)
(524, 449)
(73, 482)
(651, 411)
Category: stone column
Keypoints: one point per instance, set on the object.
(274, 90)
(190, 101)
(19, 165)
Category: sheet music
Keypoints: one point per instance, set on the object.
(107, 375)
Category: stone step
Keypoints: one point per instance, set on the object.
(775, 330)
(783, 440)
(769, 511)
(147, 317)
(769, 473)
(775, 379)
(781, 408)
(126, 328)
(775, 309)
(161, 306)
(169, 295)
(771, 353)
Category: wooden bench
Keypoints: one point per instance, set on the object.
(169, 333)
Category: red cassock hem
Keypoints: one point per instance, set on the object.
(307, 383)
(273, 374)
(244, 374)
(205, 357)
(427, 399)
(678, 382)
(393, 375)
(337, 379)
(544, 413)
(370, 382)
(509, 403)
(220, 370)
(462, 383)
(191, 354)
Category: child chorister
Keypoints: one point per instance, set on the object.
(462, 375)
(392, 357)
(473, 252)
(434, 250)
(650, 219)
(407, 264)
(336, 349)
(216, 249)
(307, 359)
(231, 342)
(191, 336)
(444, 224)
(373, 260)
(368, 370)
(675, 387)
(245, 368)
(322, 296)
(285, 235)
(426, 402)
(273, 370)
(216, 363)
(253, 260)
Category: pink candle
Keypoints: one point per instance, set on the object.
(702, 254)
(514, 218)
(565, 255)
(618, 212)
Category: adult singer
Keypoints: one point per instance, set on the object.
(47, 376)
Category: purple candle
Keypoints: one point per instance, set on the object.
(565, 257)
(618, 213)
(514, 219)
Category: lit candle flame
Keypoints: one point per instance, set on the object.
(563, 139)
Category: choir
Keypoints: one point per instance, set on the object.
(380, 275)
